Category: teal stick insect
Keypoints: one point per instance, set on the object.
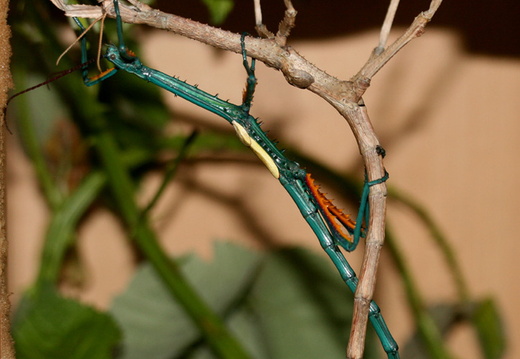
(331, 226)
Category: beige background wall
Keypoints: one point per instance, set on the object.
(448, 119)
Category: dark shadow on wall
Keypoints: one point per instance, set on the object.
(486, 27)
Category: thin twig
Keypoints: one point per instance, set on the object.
(387, 26)
(260, 27)
(284, 28)
(258, 13)
(287, 24)
(416, 29)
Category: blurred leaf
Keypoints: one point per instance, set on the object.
(48, 325)
(490, 329)
(209, 142)
(137, 111)
(42, 106)
(219, 9)
(302, 307)
(155, 326)
(284, 304)
(483, 315)
(445, 316)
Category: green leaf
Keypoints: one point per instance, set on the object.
(490, 330)
(284, 304)
(219, 10)
(303, 309)
(444, 317)
(48, 325)
(482, 315)
(157, 327)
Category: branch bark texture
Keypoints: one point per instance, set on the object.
(6, 342)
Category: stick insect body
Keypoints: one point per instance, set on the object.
(330, 225)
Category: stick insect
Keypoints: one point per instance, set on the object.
(331, 226)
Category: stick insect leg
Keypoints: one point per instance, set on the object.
(349, 277)
(251, 78)
(123, 50)
(90, 81)
(364, 211)
(383, 333)
(329, 243)
(125, 53)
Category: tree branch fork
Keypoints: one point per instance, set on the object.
(344, 95)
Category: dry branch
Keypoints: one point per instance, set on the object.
(6, 343)
(344, 96)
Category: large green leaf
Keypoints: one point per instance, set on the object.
(47, 325)
(157, 327)
(288, 303)
(302, 307)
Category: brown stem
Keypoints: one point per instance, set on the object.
(287, 24)
(6, 342)
(387, 26)
(368, 143)
(416, 29)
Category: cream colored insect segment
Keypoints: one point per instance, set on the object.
(257, 149)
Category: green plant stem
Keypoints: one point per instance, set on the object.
(30, 142)
(61, 230)
(170, 172)
(427, 328)
(65, 218)
(439, 238)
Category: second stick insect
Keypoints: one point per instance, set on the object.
(331, 226)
